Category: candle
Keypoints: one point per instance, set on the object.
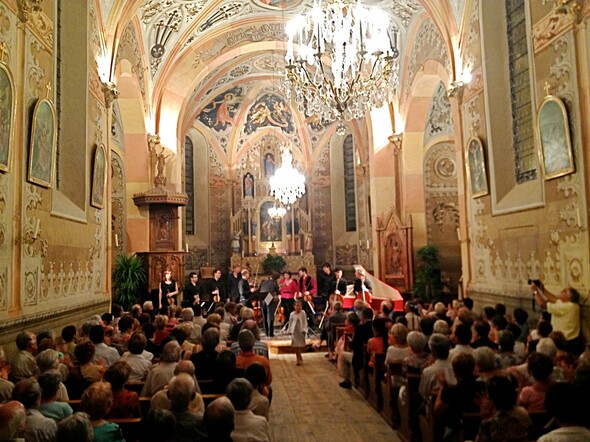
(242, 253)
(458, 234)
(368, 244)
(186, 247)
(116, 240)
(301, 252)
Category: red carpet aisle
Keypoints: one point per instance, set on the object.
(308, 405)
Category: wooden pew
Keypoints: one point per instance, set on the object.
(469, 428)
(136, 386)
(409, 403)
(131, 428)
(396, 370)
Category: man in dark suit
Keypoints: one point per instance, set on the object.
(339, 284)
(216, 288)
(193, 291)
(233, 280)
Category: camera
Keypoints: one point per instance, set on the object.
(537, 282)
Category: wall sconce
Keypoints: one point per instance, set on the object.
(573, 7)
(110, 92)
(396, 140)
(456, 89)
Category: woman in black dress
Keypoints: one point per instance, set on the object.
(168, 289)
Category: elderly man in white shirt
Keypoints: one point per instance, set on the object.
(247, 426)
(109, 355)
(442, 366)
(140, 366)
(162, 372)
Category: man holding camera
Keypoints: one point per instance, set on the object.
(564, 310)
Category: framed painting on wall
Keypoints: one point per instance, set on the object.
(476, 168)
(43, 144)
(99, 177)
(7, 106)
(555, 145)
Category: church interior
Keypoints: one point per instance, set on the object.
(154, 127)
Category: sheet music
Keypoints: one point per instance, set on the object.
(268, 299)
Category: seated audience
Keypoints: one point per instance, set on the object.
(38, 427)
(441, 327)
(225, 371)
(506, 349)
(354, 360)
(519, 347)
(412, 310)
(246, 341)
(13, 421)
(544, 329)
(379, 342)
(50, 382)
(418, 358)
(75, 428)
(260, 348)
(49, 360)
(510, 423)
(149, 330)
(205, 359)
(108, 355)
(430, 381)
(485, 363)
(189, 426)
(23, 362)
(158, 425)
(84, 352)
(532, 397)
(564, 402)
(140, 366)
(96, 402)
(399, 348)
(161, 333)
(68, 336)
(245, 314)
(161, 373)
(161, 399)
(219, 420)
(247, 426)
(125, 403)
(521, 318)
(5, 385)
(256, 375)
(454, 400)
(482, 336)
(462, 338)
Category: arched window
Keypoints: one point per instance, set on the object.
(189, 185)
(349, 189)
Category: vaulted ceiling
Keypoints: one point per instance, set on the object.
(197, 54)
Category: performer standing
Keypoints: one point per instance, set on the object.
(339, 285)
(307, 290)
(216, 288)
(287, 288)
(193, 292)
(168, 289)
(245, 290)
(269, 287)
(362, 287)
(233, 280)
(326, 279)
(298, 328)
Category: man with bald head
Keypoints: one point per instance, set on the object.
(161, 400)
(260, 348)
(13, 420)
(189, 426)
(219, 420)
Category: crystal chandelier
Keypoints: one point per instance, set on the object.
(287, 185)
(340, 59)
(277, 212)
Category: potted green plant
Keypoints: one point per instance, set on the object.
(128, 278)
(427, 284)
(273, 263)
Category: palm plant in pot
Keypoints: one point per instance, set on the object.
(427, 283)
(129, 277)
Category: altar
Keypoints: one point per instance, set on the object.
(294, 262)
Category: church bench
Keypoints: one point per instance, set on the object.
(136, 386)
(208, 398)
(409, 403)
(131, 428)
(392, 393)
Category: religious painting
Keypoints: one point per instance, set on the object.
(555, 145)
(476, 168)
(248, 182)
(7, 104)
(278, 5)
(43, 144)
(316, 122)
(271, 229)
(269, 165)
(269, 110)
(99, 177)
(219, 113)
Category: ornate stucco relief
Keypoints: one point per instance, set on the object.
(439, 121)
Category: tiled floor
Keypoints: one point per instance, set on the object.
(308, 404)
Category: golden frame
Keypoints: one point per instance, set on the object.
(554, 140)
(475, 162)
(99, 177)
(43, 131)
(8, 106)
